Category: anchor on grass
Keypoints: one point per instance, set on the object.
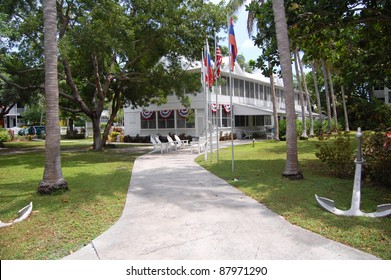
(382, 210)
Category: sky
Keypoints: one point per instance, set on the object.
(244, 42)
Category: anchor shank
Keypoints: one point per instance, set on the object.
(356, 195)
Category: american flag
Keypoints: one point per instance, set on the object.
(219, 60)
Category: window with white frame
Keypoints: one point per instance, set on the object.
(166, 119)
(148, 120)
(185, 118)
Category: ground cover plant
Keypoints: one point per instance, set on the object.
(258, 174)
(64, 222)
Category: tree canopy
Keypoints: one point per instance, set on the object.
(130, 52)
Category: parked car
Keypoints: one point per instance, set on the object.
(33, 130)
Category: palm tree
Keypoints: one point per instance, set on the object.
(307, 94)
(292, 169)
(52, 177)
(345, 111)
(303, 117)
(326, 88)
(313, 66)
(333, 99)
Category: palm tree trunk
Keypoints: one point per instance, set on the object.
(317, 98)
(345, 111)
(52, 177)
(309, 106)
(303, 117)
(292, 163)
(333, 100)
(327, 97)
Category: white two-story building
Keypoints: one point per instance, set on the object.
(252, 108)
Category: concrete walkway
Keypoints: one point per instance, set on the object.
(177, 210)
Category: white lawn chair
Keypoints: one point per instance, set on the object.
(166, 146)
(199, 145)
(181, 143)
(158, 146)
(172, 143)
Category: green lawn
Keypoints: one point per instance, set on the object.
(61, 223)
(258, 174)
(98, 184)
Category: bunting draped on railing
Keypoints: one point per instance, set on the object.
(165, 113)
(213, 107)
(227, 108)
(147, 114)
(184, 113)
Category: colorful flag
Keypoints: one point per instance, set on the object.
(219, 61)
(208, 66)
(232, 43)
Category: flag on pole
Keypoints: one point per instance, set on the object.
(219, 61)
(232, 42)
(208, 66)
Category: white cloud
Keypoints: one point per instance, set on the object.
(247, 44)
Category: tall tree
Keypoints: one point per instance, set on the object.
(319, 105)
(333, 98)
(301, 96)
(307, 95)
(292, 169)
(345, 111)
(130, 52)
(52, 177)
(326, 88)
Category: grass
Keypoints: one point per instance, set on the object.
(98, 183)
(258, 172)
(60, 223)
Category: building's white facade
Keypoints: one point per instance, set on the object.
(13, 118)
(252, 108)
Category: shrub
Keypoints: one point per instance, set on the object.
(4, 136)
(377, 155)
(136, 139)
(338, 155)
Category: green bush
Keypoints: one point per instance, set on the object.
(377, 155)
(338, 155)
(4, 136)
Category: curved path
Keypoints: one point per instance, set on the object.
(177, 210)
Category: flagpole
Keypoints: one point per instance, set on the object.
(217, 105)
(230, 99)
(206, 103)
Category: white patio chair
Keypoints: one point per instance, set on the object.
(199, 145)
(181, 143)
(172, 143)
(166, 146)
(158, 146)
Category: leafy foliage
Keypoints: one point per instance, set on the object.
(377, 154)
(4, 136)
(338, 155)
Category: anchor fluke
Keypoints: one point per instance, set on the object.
(326, 203)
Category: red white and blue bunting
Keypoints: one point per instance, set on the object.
(213, 107)
(165, 113)
(146, 114)
(227, 108)
(184, 113)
